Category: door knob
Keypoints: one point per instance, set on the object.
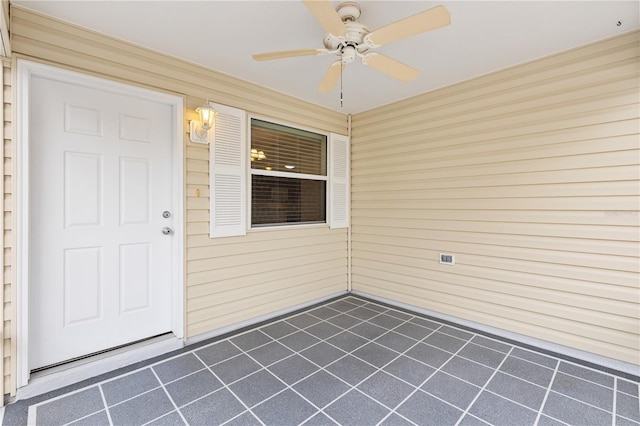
(166, 230)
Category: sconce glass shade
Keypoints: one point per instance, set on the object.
(207, 115)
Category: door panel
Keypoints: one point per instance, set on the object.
(82, 285)
(100, 177)
(82, 189)
(134, 191)
(135, 271)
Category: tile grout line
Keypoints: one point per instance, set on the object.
(615, 399)
(56, 398)
(581, 402)
(559, 361)
(441, 325)
(338, 313)
(614, 377)
(85, 417)
(99, 384)
(457, 354)
(320, 410)
(613, 409)
(516, 344)
(378, 369)
(135, 396)
(482, 389)
(208, 368)
(432, 331)
(182, 377)
(419, 341)
(510, 400)
(175, 406)
(591, 382)
(436, 370)
(417, 387)
(470, 341)
(226, 386)
(520, 378)
(31, 415)
(548, 392)
(548, 388)
(106, 406)
(321, 368)
(638, 398)
(287, 385)
(627, 393)
(33, 409)
(223, 386)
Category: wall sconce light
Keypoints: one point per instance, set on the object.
(199, 130)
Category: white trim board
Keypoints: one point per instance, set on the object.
(2, 372)
(589, 357)
(25, 71)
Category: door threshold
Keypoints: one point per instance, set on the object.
(62, 375)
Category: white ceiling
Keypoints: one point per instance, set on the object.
(484, 36)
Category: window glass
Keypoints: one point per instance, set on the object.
(288, 175)
(281, 148)
(277, 200)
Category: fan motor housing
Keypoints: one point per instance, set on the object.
(355, 35)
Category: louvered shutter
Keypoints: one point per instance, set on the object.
(339, 188)
(227, 174)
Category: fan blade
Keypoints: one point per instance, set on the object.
(288, 54)
(391, 67)
(327, 16)
(428, 20)
(331, 77)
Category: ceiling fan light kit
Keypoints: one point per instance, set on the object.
(349, 39)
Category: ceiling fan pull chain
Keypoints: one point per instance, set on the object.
(341, 70)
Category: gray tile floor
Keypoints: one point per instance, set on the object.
(352, 362)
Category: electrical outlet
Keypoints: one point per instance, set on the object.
(447, 259)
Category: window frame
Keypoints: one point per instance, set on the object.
(292, 175)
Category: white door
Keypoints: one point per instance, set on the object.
(100, 179)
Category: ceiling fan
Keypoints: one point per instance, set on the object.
(347, 38)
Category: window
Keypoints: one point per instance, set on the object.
(288, 175)
(296, 176)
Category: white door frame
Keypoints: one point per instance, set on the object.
(25, 71)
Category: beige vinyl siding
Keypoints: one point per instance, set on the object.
(228, 280)
(530, 177)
